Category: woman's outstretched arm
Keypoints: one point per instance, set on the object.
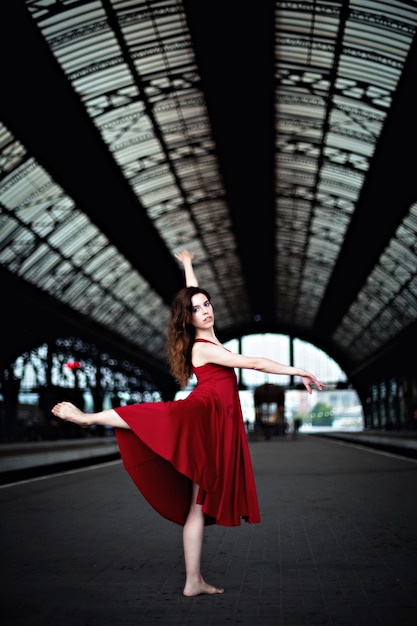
(186, 258)
(211, 353)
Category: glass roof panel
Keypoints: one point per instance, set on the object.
(380, 302)
(375, 41)
(54, 246)
(133, 65)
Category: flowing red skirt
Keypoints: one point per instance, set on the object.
(200, 439)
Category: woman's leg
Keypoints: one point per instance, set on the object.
(193, 544)
(68, 412)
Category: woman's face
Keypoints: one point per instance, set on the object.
(202, 314)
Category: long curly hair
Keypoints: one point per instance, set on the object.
(181, 334)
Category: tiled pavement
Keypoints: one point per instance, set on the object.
(337, 545)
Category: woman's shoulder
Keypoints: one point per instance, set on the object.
(201, 351)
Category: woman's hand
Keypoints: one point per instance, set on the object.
(308, 380)
(185, 256)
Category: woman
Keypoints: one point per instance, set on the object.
(190, 458)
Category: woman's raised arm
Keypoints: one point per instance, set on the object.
(186, 258)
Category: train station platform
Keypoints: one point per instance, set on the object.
(336, 546)
(27, 459)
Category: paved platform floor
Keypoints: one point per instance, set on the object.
(337, 545)
(27, 459)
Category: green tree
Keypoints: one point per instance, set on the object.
(322, 414)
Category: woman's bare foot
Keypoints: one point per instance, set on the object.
(68, 412)
(199, 588)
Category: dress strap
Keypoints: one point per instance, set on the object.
(205, 341)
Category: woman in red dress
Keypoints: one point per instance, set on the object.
(190, 458)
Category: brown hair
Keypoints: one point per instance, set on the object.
(181, 334)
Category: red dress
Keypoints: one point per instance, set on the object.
(200, 439)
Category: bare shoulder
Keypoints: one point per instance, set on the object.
(204, 352)
(217, 354)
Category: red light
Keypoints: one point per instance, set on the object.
(73, 365)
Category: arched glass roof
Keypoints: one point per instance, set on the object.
(273, 143)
